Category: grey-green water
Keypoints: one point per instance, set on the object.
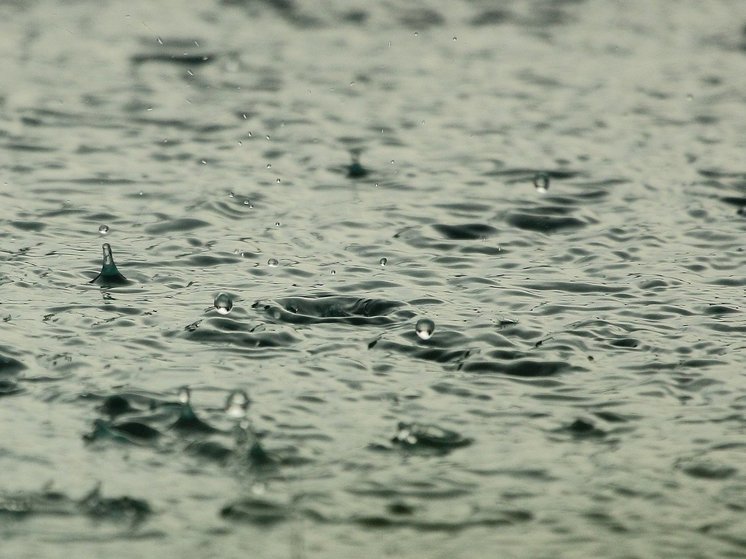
(583, 393)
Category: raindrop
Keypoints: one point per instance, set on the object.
(269, 165)
(247, 203)
(383, 261)
(334, 272)
(273, 263)
(278, 181)
(277, 223)
(416, 34)
(231, 195)
(237, 404)
(267, 136)
(185, 395)
(455, 38)
(103, 229)
(541, 182)
(424, 328)
(223, 303)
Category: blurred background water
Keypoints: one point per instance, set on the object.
(289, 187)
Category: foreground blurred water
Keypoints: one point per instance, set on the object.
(559, 186)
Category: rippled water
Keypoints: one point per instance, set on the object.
(558, 185)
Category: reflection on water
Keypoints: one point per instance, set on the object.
(412, 280)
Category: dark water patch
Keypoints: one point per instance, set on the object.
(543, 223)
(181, 58)
(444, 355)
(706, 468)
(574, 287)
(48, 502)
(253, 510)
(524, 368)
(166, 225)
(210, 450)
(10, 366)
(582, 428)
(466, 231)
(34, 226)
(129, 432)
(719, 310)
(9, 387)
(491, 17)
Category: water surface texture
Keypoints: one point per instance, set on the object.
(288, 188)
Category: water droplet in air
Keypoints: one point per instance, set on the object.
(237, 404)
(334, 272)
(416, 34)
(269, 165)
(223, 303)
(424, 328)
(277, 223)
(383, 261)
(185, 395)
(103, 229)
(278, 181)
(541, 182)
(455, 38)
(273, 263)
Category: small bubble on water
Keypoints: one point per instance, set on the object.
(103, 229)
(541, 182)
(424, 328)
(237, 404)
(247, 203)
(383, 261)
(273, 263)
(231, 195)
(185, 395)
(223, 303)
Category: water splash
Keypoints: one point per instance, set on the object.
(109, 275)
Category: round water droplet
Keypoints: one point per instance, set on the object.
(277, 223)
(541, 182)
(103, 229)
(424, 328)
(237, 404)
(223, 303)
(383, 261)
(273, 263)
(185, 395)
(278, 181)
(334, 272)
(455, 38)
(269, 165)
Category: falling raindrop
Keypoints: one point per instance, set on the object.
(424, 328)
(383, 261)
(272, 263)
(541, 182)
(223, 303)
(103, 229)
(334, 272)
